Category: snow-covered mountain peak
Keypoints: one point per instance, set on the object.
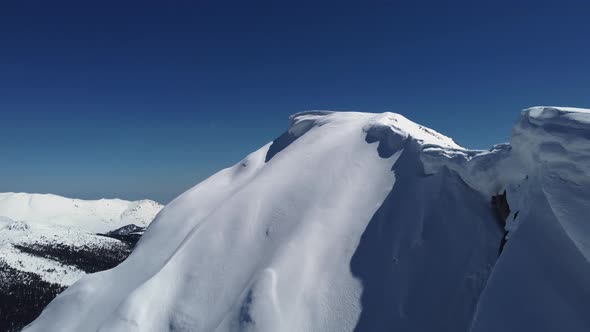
(383, 124)
(401, 126)
(363, 222)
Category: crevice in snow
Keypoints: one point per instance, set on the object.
(501, 207)
(245, 314)
(502, 211)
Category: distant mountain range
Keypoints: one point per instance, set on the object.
(48, 242)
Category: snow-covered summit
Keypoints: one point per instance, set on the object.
(397, 124)
(363, 222)
(92, 215)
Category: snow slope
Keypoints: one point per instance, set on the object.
(362, 222)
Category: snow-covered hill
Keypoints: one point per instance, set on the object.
(42, 219)
(364, 222)
(96, 216)
(48, 242)
(29, 220)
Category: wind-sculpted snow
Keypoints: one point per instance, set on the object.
(555, 139)
(299, 124)
(362, 222)
(545, 266)
(427, 252)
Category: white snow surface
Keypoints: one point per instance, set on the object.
(363, 222)
(97, 216)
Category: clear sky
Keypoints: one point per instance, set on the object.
(143, 99)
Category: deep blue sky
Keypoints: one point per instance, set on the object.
(145, 99)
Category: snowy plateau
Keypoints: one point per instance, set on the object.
(364, 222)
(48, 242)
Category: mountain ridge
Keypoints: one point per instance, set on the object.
(363, 222)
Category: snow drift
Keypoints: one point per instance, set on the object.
(363, 222)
